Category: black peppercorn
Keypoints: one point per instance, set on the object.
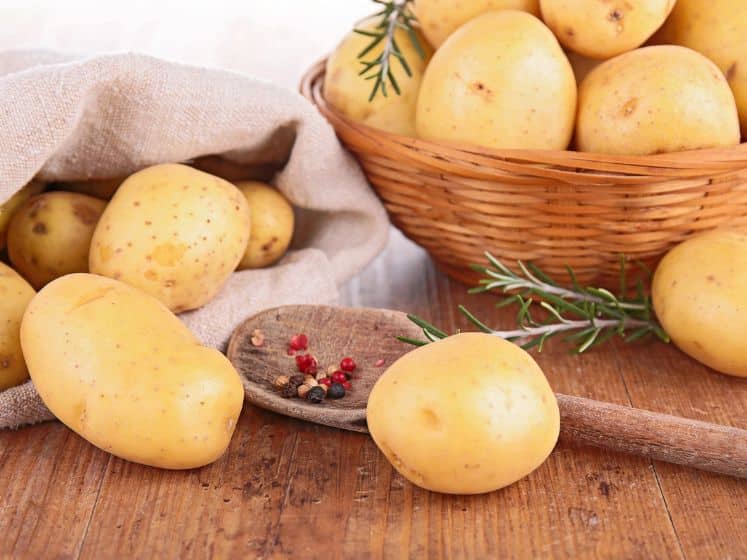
(291, 389)
(336, 391)
(315, 395)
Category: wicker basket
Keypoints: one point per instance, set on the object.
(554, 208)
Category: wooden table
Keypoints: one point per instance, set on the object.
(290, 489)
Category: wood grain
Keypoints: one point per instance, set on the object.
(287, 488)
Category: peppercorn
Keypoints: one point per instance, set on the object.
(338, 377)
(299, 342)
(326, 381)
(336, 391)
(324, 387)
(303, 390)
(315, 394)
(291, 389)
(347, 364)
(347, 385)
(280, 381)
(321, 375)
(310, 381)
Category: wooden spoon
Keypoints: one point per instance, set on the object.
(369, 335)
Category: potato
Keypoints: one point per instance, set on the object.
(100, 188)
(699, 293)
(15, 295)
(50, 235)
(174, 232)
(717, 29)
(654, 100)
(468, 414)
(500, 81)
(603, 29)
(271, 224)
(348, 92)
(11, 205)
(114, 365)
(440, 18)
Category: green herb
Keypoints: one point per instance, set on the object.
(395, 14)
(586, 316)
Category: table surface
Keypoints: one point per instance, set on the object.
(288, 488)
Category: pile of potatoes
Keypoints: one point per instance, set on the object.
(101, 340)
(634, 77)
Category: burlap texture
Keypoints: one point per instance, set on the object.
(67, 119)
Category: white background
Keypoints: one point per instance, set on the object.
(271, 39)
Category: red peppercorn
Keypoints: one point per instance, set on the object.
(347, 364)
(311, 366)
(301, 361)
(325, 381)
(299, 342)
(339, 377)
(348, 385)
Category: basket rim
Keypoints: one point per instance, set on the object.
(563, 165)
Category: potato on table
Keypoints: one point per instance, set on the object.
(117, 367)
(174, 232)
(15, 295)
(50, 235)
(468, 414)
(699, 292)
(272, 224)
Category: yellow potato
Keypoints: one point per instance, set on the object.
(500, 81)
(440, 18)
(604, 28)
(469, 414)
(114, 365)
(717, 29)
(174, 232)
(699, 293)
(100, 188)
(11, 205)
(50, 235)
(348, 92)
(271, 224)
(654, 100)
(15, 295)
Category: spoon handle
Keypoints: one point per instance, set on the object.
(705, 446)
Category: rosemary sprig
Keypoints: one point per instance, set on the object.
(395, 14)
(587, 316)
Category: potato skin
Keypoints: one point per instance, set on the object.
(699, 292)
(500, 81)
(469, 414)
(718, 30)
(655, 100)
(9, 207)
(271, 224)
(604, 28)
(118, 368)
(349, 93)
(15, 295)
(440, 18)
(174, 232)
(50, 235)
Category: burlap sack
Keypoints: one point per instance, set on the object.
(65, 118)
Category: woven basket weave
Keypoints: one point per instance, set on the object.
(554, 208)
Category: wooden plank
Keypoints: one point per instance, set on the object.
(709, 512)
(49, 482)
